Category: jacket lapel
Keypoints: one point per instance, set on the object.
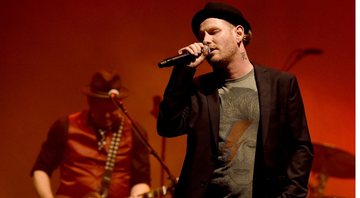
(214, 115)
(264, 91)
(211, 92)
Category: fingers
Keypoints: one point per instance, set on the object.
(195, 49)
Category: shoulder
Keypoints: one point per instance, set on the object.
(262, 70)
(61, 123)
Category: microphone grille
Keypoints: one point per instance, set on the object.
(113, 92)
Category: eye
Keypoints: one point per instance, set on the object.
(213, 31)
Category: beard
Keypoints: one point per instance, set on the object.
(222, 56)
(217, 62)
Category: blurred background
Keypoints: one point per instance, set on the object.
(50, 49)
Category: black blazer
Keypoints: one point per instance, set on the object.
(284, 151)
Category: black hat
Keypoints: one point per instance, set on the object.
(102, 82)
(221, 11)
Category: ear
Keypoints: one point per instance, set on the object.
(239, 31)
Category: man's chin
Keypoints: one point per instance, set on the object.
(213, 60)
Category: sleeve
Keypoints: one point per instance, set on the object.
(299, 167)
(140, 158)
(174, 109)
(51, 153)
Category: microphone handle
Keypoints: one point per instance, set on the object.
(182, 58)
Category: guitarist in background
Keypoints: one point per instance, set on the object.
(96, 150)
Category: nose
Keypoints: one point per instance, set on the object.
(206, 39)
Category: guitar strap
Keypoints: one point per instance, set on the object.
(110, 161)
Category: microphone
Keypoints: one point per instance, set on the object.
(113, 93)
(183, 58)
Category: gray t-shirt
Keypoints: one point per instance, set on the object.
(239, 121)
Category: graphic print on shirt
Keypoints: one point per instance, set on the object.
(239, 120)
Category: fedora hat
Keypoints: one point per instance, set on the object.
(102, 82)
(221, 11)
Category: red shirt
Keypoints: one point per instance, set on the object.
(73, 146)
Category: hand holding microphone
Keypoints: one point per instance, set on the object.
(191, 56)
